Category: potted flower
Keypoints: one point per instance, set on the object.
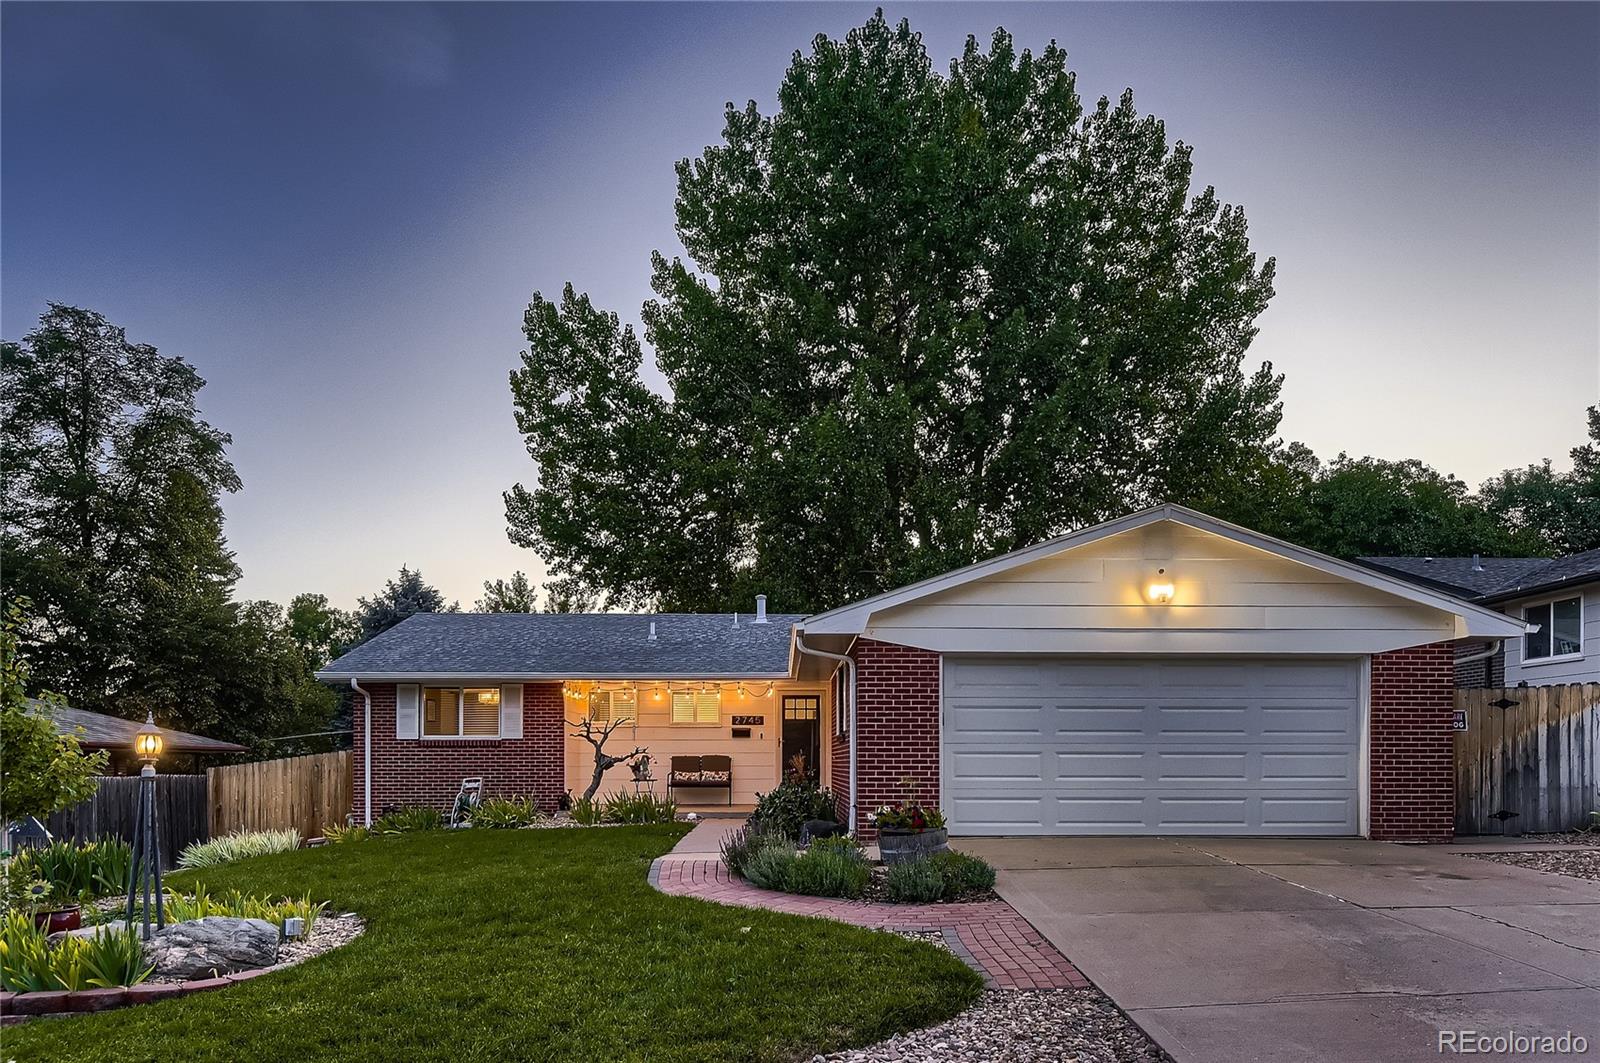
(54, 909)
(908, 831)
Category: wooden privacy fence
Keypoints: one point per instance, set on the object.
(180, 813)
(306, 793)
(1534, 751)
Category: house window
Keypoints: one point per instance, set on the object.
(461, 712)
(608, 705)
(696, 706)
(1560, 631)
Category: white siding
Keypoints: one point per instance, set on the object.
(1573, 670)
(1229, 598)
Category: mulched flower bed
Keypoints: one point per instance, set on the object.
(1582, 860)
(878, 891)
(1020, 1026)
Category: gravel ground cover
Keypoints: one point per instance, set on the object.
(1020, 1026)
(1578, 862)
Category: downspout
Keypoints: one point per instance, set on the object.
(366, 751)
(1494, 648)
(850, 698)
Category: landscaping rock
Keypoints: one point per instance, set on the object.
(109, 926)
(820, 828)
(217, 943)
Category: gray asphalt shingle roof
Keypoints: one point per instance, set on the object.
(575, 645)
(1493, 578)
(1457, 574)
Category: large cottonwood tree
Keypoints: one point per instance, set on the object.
(926, 317)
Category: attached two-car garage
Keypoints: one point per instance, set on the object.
(1064, 745)
(1162, 673)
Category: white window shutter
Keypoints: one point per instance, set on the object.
(406, 714)
(511, 710)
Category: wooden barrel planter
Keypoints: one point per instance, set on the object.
(903, 846)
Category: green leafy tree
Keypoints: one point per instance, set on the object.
(41, 771)
(321, 631)
(400, 598)
(515, 595)
(928, 317)
(1559, 510)
(112, 523)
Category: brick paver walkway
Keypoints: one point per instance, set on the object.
(990, 936)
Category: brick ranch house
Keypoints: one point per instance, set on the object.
(1164, 673)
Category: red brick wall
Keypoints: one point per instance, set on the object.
(419, 772)
(897, 715)
(1412, 756)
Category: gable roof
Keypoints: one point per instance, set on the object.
(1495, 579)
(101, 731)
(853, 618)
(1468, 577)
(571, 646)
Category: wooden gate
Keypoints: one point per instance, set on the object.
(180, 813)
(1534, 751)
(306, 793)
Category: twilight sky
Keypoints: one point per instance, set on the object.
(338, 214)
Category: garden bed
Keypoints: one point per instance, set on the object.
(549, 945)
(1577, 857)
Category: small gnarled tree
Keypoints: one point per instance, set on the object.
(596, 733)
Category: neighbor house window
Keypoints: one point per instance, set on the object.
(696, 706)
(608, 705)
(460, 712)
(1560, 631)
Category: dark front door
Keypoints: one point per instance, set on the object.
(802, 736)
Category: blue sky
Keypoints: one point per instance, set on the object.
(338, 213)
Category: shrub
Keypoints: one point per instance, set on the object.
(828, 873)
(768, 864)
(29, 964)
(504, 813)
(908, 817)
(99, 869)
(405, 820)
(839, 843)
(786, 807)
(914, 880)
(586, 811)
(637, 808)
(962, 873)
(738, 845)
(338, 835)
(240, 845)
(182, 907)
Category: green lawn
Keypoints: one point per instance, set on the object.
(529, 945)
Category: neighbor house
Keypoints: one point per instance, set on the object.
(1165, 673)
(1559, 599)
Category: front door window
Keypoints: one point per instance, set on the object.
(802, 737)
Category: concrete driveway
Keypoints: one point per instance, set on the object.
(1263, 949)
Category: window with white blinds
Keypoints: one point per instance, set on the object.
(608, 705)
(696, 706)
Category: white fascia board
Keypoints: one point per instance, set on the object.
(1476, 621)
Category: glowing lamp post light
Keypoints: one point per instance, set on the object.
(145, 874)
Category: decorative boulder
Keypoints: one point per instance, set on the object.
(109, 926)
(217, 943)
(820, 828)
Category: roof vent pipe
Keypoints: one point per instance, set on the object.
(652, 631)
(761, 609)
(1477, 563)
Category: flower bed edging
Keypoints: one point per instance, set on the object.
(990, 936)
(19, 1007)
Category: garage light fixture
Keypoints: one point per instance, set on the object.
(1160, 590)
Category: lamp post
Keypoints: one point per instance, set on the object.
(145, 874)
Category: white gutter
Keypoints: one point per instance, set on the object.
(1493, 648)
(850, 678)
(366, 750)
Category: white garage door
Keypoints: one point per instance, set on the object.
(1155, 746)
